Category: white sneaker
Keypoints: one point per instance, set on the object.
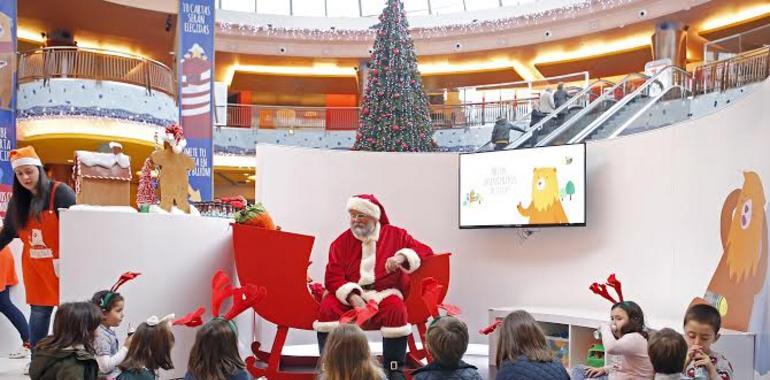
(21, 353)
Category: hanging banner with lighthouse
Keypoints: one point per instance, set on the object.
(195, 65)
(7, 98)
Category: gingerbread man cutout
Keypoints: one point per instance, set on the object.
(173, 177)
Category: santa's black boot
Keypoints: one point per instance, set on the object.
(394, 356)
(321, 342)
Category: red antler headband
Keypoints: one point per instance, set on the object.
(124, 278)
(491, 328)
(221, 288)
(601, 289)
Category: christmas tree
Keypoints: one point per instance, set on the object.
(395, 116)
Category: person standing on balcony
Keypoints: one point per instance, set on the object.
(501, 133)
(33, 217)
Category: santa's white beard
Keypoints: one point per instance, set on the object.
(362, 231)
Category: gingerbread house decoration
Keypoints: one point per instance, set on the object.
(103, 179)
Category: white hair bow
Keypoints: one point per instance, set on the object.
(154, 320)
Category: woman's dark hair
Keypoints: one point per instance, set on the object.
(112, 298)
(635, 318)
(214, 355)
(75, 324)
(150, 348)
(25, 204)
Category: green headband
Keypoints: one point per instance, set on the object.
(106, 298)
(229, 323)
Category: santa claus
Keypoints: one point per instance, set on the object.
(372, 261)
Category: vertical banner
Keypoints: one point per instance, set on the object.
(7, 98)
(195, 67)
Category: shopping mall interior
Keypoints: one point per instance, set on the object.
(636, 130)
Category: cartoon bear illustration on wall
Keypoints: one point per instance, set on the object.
(741, 272)
(545, 207)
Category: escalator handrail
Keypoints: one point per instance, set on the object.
(568, 123)
(582, 135)
(572, 100)
(644, 109)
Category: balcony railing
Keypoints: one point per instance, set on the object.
(745, 68)
(98, 64)
(347, 118)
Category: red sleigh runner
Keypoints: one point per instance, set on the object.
(278, 261)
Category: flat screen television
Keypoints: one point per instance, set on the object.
(531, 187)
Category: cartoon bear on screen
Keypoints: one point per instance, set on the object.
(545, 207)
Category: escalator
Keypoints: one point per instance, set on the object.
(672, 83)
(571, 127)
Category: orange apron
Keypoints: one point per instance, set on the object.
(41, 253)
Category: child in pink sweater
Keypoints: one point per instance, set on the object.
(625, 345)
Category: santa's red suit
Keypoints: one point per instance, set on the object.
(359, 266)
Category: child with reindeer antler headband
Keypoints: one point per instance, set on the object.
(624, 339)
(214, 355)
(108, 351)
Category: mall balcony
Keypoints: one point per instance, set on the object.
(71, 98)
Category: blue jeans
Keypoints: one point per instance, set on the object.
(39, 323)
(14, 315)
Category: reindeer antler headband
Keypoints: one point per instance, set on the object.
(124, 278)
(221, 288)
(601, 289)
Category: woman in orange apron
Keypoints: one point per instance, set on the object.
(33, 217)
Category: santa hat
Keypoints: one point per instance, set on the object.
(368, 204)
(174, 136)
(24, 156)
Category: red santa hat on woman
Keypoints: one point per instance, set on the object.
(368, 204)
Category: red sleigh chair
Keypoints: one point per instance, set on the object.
(278, 261)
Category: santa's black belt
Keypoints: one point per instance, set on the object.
(367, 287)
